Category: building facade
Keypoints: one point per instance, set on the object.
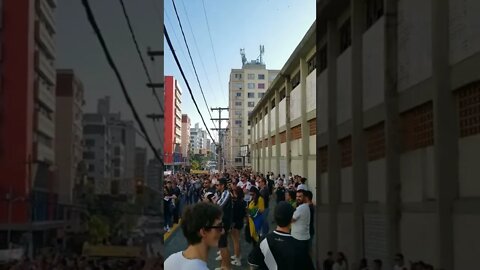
(398, 134)
(140, 163)
(27, 120)
(198, 140)
(247, 86)
(185, 137)
(284, 122)
(69, 133)
(172, 123)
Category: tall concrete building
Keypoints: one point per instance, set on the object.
(97, 152)
(27, 119)
(172, 123)
(185, 136)
(247, 87)
(398, 136)
(69, 133)
(154, 173)
(140, 163)
(198, 140)
(110, 150)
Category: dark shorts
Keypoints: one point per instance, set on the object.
(222, 242)
(238, 225)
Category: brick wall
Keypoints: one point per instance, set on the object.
(345, 146)
(416, 127)
(323, 156)
(376, 141)
(312, 126)
(296, 133)
(283, 137)
(272, 140)
(468, 104)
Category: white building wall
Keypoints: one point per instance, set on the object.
(466, 240)
(344, 87)
(376, 181)
(282, 113)
(414, 42)
(346, 185)
(373, 65)
(417, 175)
(464, 29)
(322, 107)
(469, 169)
(415, 226)
(311, 86)
(295, 103)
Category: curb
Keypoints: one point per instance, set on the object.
(172, 230)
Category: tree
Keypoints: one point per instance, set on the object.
(98, 229)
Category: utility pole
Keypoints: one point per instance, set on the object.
(220, 134)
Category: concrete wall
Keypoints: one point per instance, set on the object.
(417, 175)
(312, 178)
(311, 92)
(272, 120)
(322, 108)
(464, 29)
(346, 185)
(467, 240)
(469, 160)
(376, 181)
(414, 42)
(416, 226)
(345, 232)
(344, 86)
(324, 188)
(282, 114)
(373, 65)
(295, 103)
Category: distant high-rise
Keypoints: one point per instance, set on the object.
(172, 123)
(185, 136)
(246, 87)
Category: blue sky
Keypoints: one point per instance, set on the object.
(279, 25)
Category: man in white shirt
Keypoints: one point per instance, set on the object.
(302, 185)
(301, 220)
(202, 227)
(245, 185)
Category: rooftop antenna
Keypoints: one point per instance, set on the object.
(262, 51)
(244, 58)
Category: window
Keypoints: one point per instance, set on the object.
(91, 168)
(251, 76)
(295, 80)
(312, 63)
(238, 160)
(282, 94)
(248, 131)
(117, 173)
(261, 76)
(273, 103)
(374, 11)
(251, 104)
(117, 150)
(238, 76)
(239, 94)
(322, 57)
(261, 86)
(249, 113)
(89, 155)
(345, 35)
(238, 112)
(238, 122)
(248, 124)
(251, 95)
(238, 103)
(261, 95)
(251, 86)
(238, 86)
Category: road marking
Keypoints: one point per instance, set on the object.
(172, 230)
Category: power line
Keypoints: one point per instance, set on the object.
(93, 23)
(196, 45)
(134, 38)
(185, 79)
(211, 43)
(191, 60)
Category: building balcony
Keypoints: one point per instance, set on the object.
(45, 152)
(45, 125)
(45, 11)
(44, 39)
(45, 67)
(45, 95)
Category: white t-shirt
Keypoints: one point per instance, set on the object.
(302, 186)
(177, 261)
(301, 227)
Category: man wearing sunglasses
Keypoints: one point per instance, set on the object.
(202, 227)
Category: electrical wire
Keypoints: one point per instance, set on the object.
(191, 60)
(213, 50)
(185, 79)
(93, 23)
(134, 38)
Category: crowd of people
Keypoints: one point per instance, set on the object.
(59, 262)
(244, 200)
